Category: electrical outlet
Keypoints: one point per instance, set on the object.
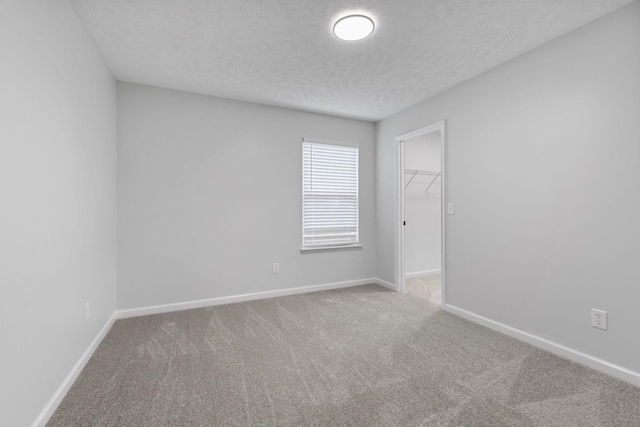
(451, 209)
(87, 311)
(599, 319)
(275, 268)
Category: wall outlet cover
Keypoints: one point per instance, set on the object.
(599, 319)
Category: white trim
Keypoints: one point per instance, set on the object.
(340, 162)
(330, 248)
(438, 126)
(593, 362)
(423, 273)
(399, 229)
(187, 305)
(61, 392)
(332, 142)
(399, 263)
(385, 284)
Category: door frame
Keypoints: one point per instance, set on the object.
(399, 211)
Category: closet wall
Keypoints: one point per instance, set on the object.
(422, 207)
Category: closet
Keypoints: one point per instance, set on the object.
(422, 214)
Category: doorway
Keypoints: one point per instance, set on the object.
(420, 215)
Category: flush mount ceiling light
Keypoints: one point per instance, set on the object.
(353, 27)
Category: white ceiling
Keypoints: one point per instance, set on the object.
(283, 53)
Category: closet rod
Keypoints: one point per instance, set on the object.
(415, 172)
(420, 172)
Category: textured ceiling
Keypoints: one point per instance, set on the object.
(283, 53)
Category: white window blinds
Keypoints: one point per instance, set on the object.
(329, 195)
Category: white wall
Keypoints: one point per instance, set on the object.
(58, 200)
(422, 209)
(543, 161)
(209, 196)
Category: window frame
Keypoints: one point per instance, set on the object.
(333, 246)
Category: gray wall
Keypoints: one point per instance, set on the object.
(544, 167)
(209, 196)
(58, 200)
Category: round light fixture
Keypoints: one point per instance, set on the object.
(353, 27)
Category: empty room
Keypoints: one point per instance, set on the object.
(319, 213)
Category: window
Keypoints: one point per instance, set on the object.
(329, 195)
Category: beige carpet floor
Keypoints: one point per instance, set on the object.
(428, 287)
(362, 356)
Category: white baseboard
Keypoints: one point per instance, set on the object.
(187, 305)
(61, 392)
(385, 284)
(422, 273)
(603, 366)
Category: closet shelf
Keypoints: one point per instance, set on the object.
(414, 172)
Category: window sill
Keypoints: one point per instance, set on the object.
(330, 248)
